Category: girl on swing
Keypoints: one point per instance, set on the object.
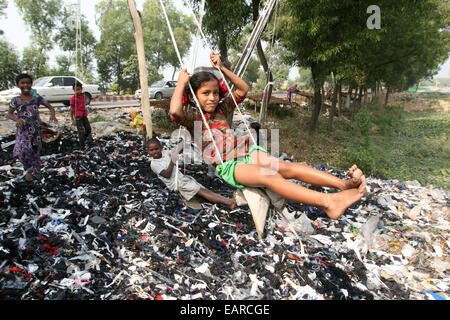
(253, 166)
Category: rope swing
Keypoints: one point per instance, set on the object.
(190, 87)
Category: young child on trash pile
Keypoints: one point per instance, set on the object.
(246, 164)
(24, 110)
(163, 164)
(78, 114)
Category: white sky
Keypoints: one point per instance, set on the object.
(18, 33)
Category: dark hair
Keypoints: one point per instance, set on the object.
(77, 84)
(153, 140)
(203, 76)
(23, 76)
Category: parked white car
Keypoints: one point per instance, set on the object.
(158, 90)
(55, 89)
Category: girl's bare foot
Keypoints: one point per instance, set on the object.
(356, 178)
(338, 202)
(362, 187)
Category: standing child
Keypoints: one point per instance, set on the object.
(254, 166)
(78, 114)
(24, 110)
(163, 164)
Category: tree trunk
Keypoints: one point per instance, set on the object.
(365, 97)
(339, 98)
(317, 102)
(333, 105)
(352, 103)
(145, 101)
(174, 71)
(223, 49)
(360, 98)
(387, 96)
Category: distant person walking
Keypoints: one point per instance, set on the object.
(289, 94)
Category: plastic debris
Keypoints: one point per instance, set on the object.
(100, 225)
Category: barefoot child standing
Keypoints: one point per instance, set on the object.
(78, 114)
(254, 166)
(24, 110)
(163, 165)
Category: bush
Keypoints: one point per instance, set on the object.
(362, 123)
(362, 155)
(161, 119)
(359, 148)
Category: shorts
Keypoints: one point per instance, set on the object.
(188, 187)
(226, 170)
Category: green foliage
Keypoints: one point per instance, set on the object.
(116, 51)
(360, 149)
(42, 17)
(116, 43)
(62, 67)
(304, 79)
(332, 36)
(66, 36)
(251, 74)
(114, 88)
(375, 121)
(362, 123)
(98, 119)
(10, 65)
(34, 62)
(223, 23)
(159, 49)
(363, 155)
(161, 119)
(42, 25)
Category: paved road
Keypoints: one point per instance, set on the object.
(94, 104)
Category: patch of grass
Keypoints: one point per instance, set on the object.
(419, 150)
(98, 119)
(381, 140)
(161, 122)
(434, 96)
(320, 148)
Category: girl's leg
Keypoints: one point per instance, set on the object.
(334, 204)
(87, 128)
(216, 198)
(36, 162)
(298, 171)
(29, 165)
(81, 131)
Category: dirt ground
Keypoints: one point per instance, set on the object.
(421, 105)
(7, 126)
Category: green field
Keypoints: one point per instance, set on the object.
(382, 140)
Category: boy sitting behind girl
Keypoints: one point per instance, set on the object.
(163, 164)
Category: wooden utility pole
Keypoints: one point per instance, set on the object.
(145, 101)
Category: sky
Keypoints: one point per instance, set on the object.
(17, 33)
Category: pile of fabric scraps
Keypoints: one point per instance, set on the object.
(101, 225)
